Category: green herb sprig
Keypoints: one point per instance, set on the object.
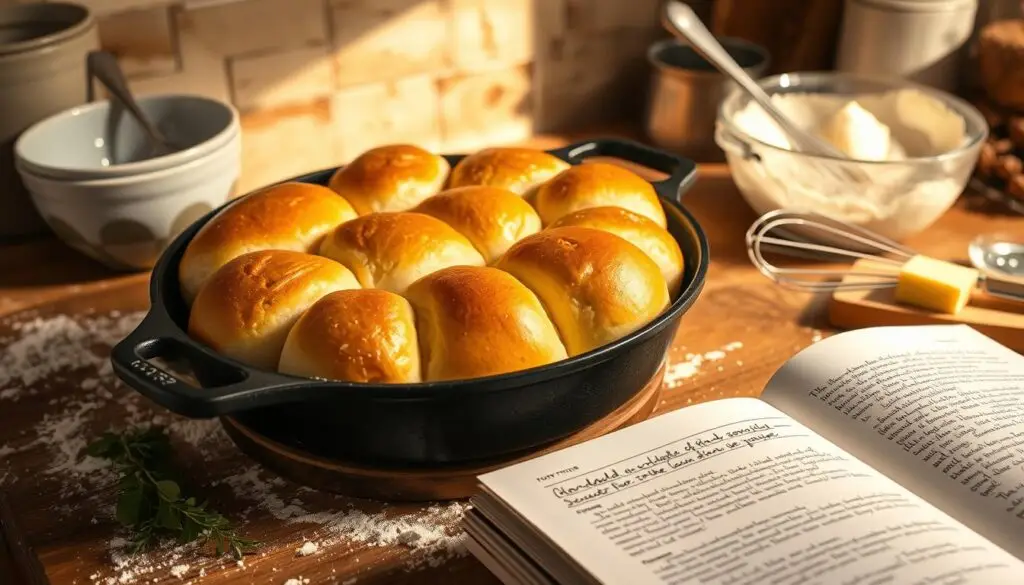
(150, 501)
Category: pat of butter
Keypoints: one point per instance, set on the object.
(932, 284)
(857, 133)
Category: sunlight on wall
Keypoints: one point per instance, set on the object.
(319, 81)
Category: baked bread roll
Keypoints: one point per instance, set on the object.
(289, 216)
(597, 185)
(491, 218)
(244, 311)
(479, 321)
(596, 286)
(519, 170)
(636, 229)
(390, 178)
(360, 335)
(393, 250)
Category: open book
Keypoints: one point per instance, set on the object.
(886, 455)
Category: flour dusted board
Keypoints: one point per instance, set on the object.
(51, 407)
(57, 392)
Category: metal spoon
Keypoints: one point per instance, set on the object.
(104, 67)
(1000, 259)
(681, 20)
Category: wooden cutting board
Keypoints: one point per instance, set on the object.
(1000, 319)
(58, 392)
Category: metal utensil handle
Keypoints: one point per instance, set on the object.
(1004, 288)
(103, 66)
(681, 19)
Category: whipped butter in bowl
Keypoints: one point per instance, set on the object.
(917, 146)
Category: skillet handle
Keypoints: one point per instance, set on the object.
(682, 172)
(227, 383)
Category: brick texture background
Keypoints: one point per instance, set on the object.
(319, 81)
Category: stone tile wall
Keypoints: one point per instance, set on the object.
(319, 81)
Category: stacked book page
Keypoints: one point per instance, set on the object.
(886, 455)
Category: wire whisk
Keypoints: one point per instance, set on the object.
(815, 237)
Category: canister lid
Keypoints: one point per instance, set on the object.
(24, 27)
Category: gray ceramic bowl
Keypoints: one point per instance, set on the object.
(126, 222)
(98, 141)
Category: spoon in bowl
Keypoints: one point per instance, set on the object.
(103, 66)
(683, 21)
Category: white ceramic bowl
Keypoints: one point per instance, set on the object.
(98, 140)
(903, 198)
(126, 222)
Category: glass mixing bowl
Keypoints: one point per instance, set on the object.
(900, 198)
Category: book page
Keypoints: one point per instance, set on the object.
(938, 408)
(735, 492)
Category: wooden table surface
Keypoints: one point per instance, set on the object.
(756, 326)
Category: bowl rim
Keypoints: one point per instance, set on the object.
(82, 23)
(960, 106)
(138, 178)
(655, 50)
(177, 158)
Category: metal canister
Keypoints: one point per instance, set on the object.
(686, 91)
(920, 40)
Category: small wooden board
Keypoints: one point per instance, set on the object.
(1000, 319)
(442, 483)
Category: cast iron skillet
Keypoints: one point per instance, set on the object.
(415, 424)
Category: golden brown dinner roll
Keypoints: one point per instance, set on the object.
(490, 217)
(393, 250)
(289, 216)
(636, 229)
(596, 286)
(390, 178)
(477, 321)
(244, 311)
(360, 335)
(597, 185)
(519, 170)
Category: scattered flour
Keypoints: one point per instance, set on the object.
(49, 345)
(49, 354)
(677, 373)
(297, 581)
(815, 336)
(130, 568)
(43, 353)
(49, 350)
(433, 530)
(198, 432)
(307, 549)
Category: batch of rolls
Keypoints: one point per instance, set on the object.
(405, 270)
